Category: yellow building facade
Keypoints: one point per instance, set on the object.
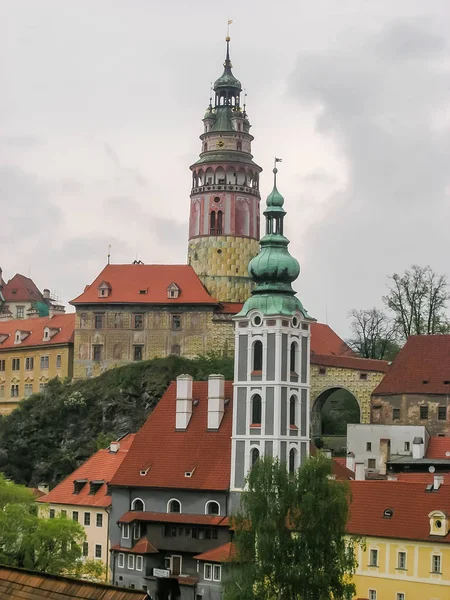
(32, 352)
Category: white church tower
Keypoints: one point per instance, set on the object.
(271, 404)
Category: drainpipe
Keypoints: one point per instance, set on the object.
(108, 512)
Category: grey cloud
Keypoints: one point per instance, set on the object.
(319, 176)
(409, 40)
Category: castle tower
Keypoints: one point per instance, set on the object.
(224, 217)
(271, 376)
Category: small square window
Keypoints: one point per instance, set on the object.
(372, 594)
(20, 312)
(322, 371)
(372, 463)
(369, 446)
(442, 413)
(396, 414)
(400, 596)
(424, 412)
(363, 376)
(98, 551)
(87, 518)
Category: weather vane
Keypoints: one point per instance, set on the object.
(228, 29)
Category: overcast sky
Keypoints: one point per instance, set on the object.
(100, 111)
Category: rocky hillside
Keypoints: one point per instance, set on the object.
(49, 435)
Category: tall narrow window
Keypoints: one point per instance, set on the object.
(256, 410)
(212, 223)
(257, 356)
(293, 357)
(219, 222)
(254, 455)
(292, 410)
(292, 453)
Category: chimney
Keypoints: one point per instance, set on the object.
(418, 447)
(114, 447)
(43, 487)
(385, 454)
(184, 401)
(326, 452)
(216, 400)
(56, 309)
(46, 294)
(438, 480)
(392, 477)
(350, 461)
(360, 472)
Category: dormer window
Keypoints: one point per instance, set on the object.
(173, 291)
(439, 524)
(20, 336)
(3, 337)
(78, 485)
(104, 289)
(50, 332)
(94, 486)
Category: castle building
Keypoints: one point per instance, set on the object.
(224, 218)
(272, 358)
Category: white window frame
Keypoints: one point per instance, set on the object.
(139, 560)
(372, 594)
(84, 519)
(134, 502)
(96, 517)
(126, 528)
(398, 560)
(130, 562)
(204, 571)
(207, 507)
(400, 596)
(371, 564)
(136, 531)
(121, 560)
(172, 500)
(220, 573)
(433, 556)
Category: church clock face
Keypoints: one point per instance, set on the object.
(221, 144)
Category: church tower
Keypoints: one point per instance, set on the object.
(224, 217)
(272, 345)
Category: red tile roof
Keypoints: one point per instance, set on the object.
(341, 472)
(184, 518)
(424, 478)
(230, 307)
(438, 447)
(222, 553)
(410, 504)
(100, 466)
(350, 362)
(21, 289)
(325, 341)
(127, 280)
(65, 323)
(143, 546)
(168, 454)
(421, 367)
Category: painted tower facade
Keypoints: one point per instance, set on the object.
(224, 216)
(271, 382)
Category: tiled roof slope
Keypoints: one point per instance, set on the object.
(423, 478)
(438, 447)
(326, 341)
(184, 518)
(126, 281)
(143, 546)
(222, 553)
(410, 504)
(21, 289)
(424, 358)
(21, 584)
(65, 323)
(100, 466)
(168, 454)
(350, 362)
(341, 472)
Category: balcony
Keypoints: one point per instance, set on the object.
(231, 187)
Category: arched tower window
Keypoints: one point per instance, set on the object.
(256, 409)
(212, 508)
(239, 145)
(292, 410)
(257, 355)
(138, 505)
(212, 223)
(292, 459)
(293, 357)
(254, 455)
(174, 506)
(219, 222)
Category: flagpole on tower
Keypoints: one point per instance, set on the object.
(228, 29)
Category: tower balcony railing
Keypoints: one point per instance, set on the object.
(224, 187)
(216, 231)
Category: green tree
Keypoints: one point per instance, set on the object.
(418, 299)
(290, 535)
(374, 334)
(35, 542)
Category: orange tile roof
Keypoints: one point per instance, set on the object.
(410, 503)
(101, 466)
(168, 453)
(438, 447)
(230, 307)
(222, 553)
(350, 362)
(421, 367)
(127, 280)
(21, 289)
(143, 546)
(64, 322)
(341, 472)
(424, 478)
(184, 518)
(326, 341)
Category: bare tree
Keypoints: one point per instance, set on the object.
(374, 334)
(418, 299)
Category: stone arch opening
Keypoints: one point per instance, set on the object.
(331, 412)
